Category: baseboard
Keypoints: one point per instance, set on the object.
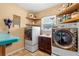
(14, 51)
(53, 54)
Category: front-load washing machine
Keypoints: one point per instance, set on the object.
(65, 40)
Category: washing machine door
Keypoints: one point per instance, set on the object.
(63, 38)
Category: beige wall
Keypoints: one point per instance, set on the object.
(7, 11)
(50, 11)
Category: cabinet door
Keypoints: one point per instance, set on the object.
(45, 44)
(48, 45)
(41, 43)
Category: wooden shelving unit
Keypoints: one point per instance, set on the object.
(69, 9)
(33, 20)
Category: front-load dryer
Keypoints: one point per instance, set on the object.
(65, 41)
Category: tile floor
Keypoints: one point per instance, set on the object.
(27, 53)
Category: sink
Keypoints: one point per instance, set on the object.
(7, 39)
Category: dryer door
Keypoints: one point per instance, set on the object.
(63, 38)
(28, 33)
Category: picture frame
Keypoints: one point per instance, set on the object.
(16, 21)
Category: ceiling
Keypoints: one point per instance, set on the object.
(36, 7)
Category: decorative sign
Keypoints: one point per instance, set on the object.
(16, 21)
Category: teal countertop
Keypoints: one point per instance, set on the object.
(7, 38)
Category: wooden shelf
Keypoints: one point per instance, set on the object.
(32, 18)
(32, 25)
(71, 20)
(69, 9)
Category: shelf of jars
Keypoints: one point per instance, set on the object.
(71, 20)
(69, 9)
(68, 18)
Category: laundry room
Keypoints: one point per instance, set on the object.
(39, 29)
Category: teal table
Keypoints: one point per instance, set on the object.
(6, 39)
